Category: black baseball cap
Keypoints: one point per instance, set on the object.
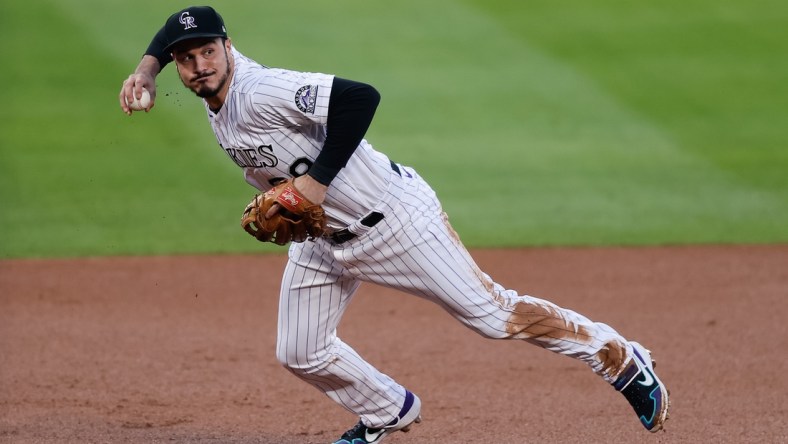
(193, 22)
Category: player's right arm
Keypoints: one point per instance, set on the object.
(144, 75)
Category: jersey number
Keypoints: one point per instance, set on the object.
(298, 168)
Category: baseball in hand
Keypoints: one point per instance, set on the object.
(142, 103)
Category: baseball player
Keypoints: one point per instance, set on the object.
(382, 224)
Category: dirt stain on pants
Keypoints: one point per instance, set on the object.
(542, 323)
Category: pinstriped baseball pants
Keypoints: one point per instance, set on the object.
(415, 250)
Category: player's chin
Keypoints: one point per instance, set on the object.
(205, 92)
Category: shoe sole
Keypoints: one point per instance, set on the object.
(412, 417)
(664, 415)
(406, 429)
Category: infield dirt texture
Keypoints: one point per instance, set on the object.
(143, 350)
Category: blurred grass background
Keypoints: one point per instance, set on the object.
(538, 123)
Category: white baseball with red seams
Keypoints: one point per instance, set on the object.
(140, 104)
(273, 126)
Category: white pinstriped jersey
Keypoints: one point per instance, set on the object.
(273, 125)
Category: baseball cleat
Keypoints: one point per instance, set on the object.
(361, 434)
(644, 390)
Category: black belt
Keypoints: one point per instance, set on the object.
(370, 220)
(342, 236)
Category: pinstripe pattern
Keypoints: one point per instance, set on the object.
(260, 111)
(262, 127)
(412, 249)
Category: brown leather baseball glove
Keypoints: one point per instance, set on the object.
(296, 220)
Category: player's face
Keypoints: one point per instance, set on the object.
(203, 65)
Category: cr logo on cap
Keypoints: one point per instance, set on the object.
(187, 20)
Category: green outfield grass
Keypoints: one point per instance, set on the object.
(538, 123)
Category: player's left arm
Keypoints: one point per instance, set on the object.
(351, 107)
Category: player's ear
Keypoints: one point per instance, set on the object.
(228, 44)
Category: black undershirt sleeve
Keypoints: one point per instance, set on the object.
(351, 107)
(156, 49)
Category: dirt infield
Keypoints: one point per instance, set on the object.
(181, 349)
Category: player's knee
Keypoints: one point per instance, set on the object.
(288, 358)
(299, 361)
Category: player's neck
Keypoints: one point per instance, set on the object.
(216, 102)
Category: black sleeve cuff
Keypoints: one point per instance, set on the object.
(323, 174)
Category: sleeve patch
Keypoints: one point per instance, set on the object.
(306, 98)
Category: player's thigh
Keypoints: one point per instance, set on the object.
(432, 263)
(313, 297)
